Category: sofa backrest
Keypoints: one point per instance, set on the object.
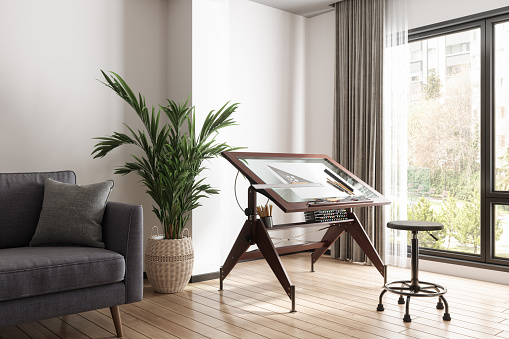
(21, 196)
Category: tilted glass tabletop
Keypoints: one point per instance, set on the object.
(334, 182)
(304, 182)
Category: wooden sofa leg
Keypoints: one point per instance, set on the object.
(115, 314)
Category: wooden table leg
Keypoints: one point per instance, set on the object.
(359, 234)
(331, 235)
(244, 240)
(272, 257)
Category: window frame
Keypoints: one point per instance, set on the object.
(489, 197)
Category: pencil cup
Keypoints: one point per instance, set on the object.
(267, 221)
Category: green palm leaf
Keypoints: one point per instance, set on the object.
(173, 153)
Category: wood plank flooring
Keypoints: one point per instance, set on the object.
(338, 300)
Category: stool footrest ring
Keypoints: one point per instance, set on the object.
(426, 289)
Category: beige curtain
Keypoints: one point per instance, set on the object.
(358, 110)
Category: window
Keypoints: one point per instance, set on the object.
(416, 71)
(458, 139)
(455, 70)
(443, 145)
(501, 105)
(457, 49)
(501, 244)
(416, 52)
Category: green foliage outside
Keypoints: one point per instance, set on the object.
(419, 180)
(444, 150)
(423, 211)
(461, 220)
(433, 86)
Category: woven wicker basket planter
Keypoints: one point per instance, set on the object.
(169, 263)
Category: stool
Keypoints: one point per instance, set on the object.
(414, 287)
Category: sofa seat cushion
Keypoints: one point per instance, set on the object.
(30, 271)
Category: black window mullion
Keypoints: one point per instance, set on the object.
(493, 197)
(488, 168)
(486, 127)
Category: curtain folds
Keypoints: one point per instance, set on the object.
(396, 84)
(358, 133)
(370, 139)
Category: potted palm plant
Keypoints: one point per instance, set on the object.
(170, 168)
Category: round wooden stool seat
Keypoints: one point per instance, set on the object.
(415, 225)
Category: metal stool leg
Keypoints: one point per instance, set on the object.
(292, 297)
(414, 284)
(407, 318)
(447, 316)
(312, 263)
(221, 278)
(440, 305)
(380, 305)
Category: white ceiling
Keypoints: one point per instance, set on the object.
(307, 8)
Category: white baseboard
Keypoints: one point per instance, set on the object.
(494, 276)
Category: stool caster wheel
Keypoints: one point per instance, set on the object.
(440, 305)
(447, 317)
(380, 308)
(401, 301)
(407, 318)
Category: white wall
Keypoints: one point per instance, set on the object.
(423, 13)
(254, 55)
(210, 84)
(51, 53)
(320, 54)
(179, 50)
(267, 76)
(49, 62)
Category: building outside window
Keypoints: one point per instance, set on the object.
(458, 133)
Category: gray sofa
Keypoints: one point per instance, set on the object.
(51, 281)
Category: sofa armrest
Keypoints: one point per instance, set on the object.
(123, 233)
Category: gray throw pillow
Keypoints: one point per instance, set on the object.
(72, 214)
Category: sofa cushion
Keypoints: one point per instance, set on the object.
(21, 196)
(30, 271)
(72, 214)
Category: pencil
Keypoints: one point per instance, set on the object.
(338, 185)
(338, 178)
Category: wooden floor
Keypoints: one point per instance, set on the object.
(338, 300)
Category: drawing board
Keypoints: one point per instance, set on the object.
(338, 186)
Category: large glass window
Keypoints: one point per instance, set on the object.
(498, 195)
(444, 139)
(458, 138)
(501, 105)
(501, 234)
